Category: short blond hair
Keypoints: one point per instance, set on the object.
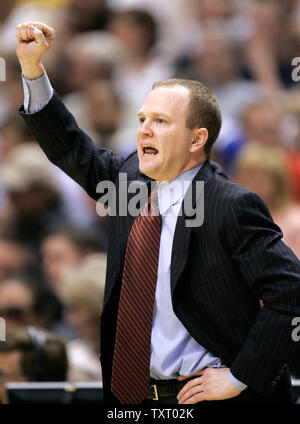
(204, 109)
(273, 161)
(84, 285)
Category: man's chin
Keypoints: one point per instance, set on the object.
(147, 170)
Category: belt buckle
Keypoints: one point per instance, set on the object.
(154, 392)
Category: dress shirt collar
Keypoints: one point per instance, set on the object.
(173, 191)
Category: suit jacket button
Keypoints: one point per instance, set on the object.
(273, 383)
(277, 378)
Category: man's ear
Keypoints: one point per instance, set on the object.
(199, 139)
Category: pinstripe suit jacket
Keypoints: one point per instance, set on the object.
(219, 270)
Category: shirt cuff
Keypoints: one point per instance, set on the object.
(237, 383)
(37, 93)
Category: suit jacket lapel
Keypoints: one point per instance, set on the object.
(194, 197)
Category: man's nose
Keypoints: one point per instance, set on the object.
(146, 128)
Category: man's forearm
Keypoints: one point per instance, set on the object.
(32, 71)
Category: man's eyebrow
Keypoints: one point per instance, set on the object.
(141, 113)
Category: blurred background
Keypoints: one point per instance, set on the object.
(103, 62)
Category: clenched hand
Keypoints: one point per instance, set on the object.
(33, 40)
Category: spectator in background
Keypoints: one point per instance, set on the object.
(66, 248)
(15, 257)
(216, 64)
(12, 12)
(289, 100)
(87, 15)
(259, 122)
(263, 169)
(88, 57)
(269, 124)
(21, 361)
(177, 26)
(10, 91)
(82, 291)
(272, 43)
(12, 133)
(262, 124)
(100, 112)
(6, 7)
(25, 169)
(27, 302)
(215, 10)
(143, 66)
(103, 113)
(18, 304)
(34, 203)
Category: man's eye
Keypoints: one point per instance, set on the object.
(160, 121)
(141, 120)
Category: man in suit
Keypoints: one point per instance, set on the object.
(210, 338)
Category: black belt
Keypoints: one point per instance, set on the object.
(164, 388)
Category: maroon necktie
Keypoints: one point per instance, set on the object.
(131, 362)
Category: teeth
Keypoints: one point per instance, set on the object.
(145, 148)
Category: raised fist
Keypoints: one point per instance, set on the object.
(33, 40)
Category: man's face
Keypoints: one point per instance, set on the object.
(163, 127)
(10, 371)
(12, 258)
(263, 126)
(16, 304)
(58, 253)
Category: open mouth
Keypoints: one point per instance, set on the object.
(149, 150)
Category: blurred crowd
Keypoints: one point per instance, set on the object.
(103, 62)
